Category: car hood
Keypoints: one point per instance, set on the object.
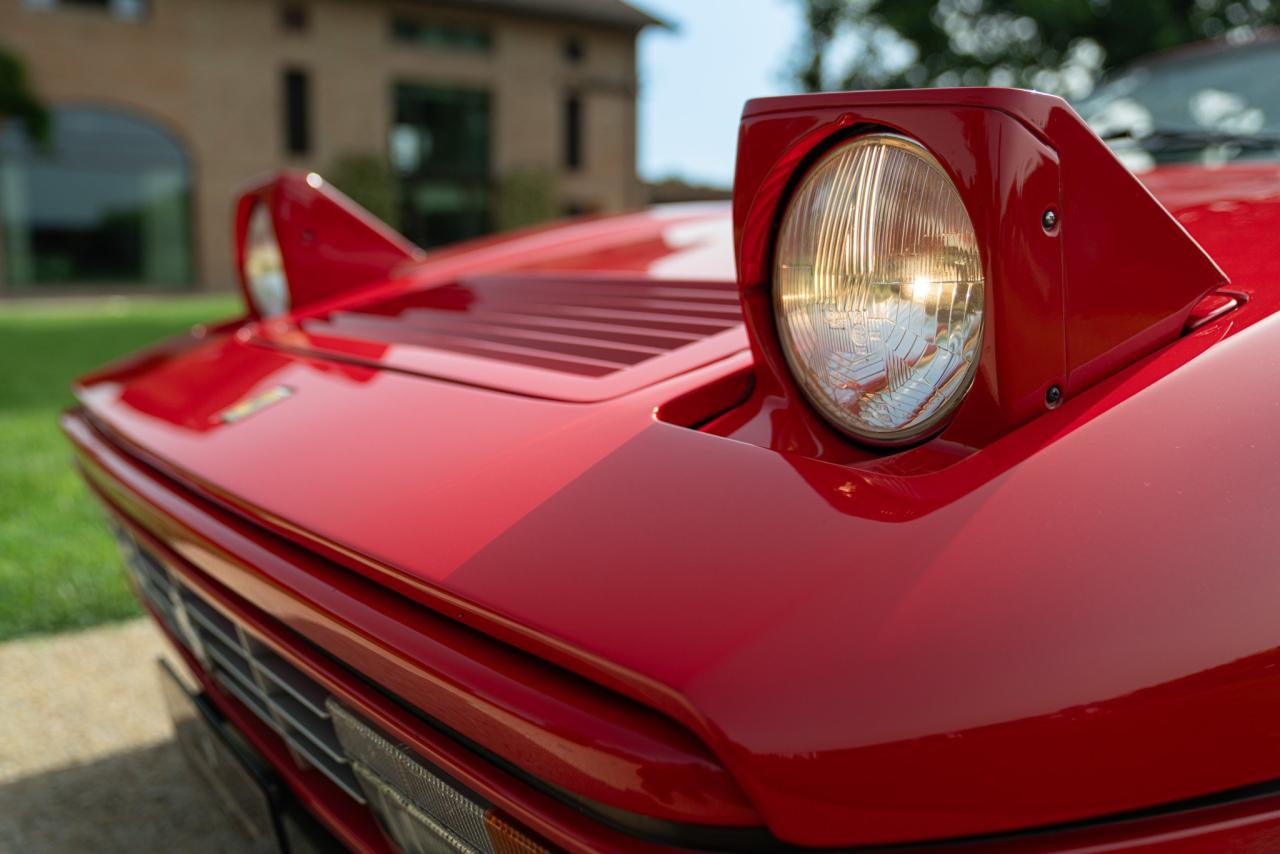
(1048, 636)
(581, 313)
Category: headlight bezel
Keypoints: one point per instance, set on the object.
(819, 398)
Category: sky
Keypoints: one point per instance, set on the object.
(693, 81)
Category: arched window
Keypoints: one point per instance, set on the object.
(105, 203)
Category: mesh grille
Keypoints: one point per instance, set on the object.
(380, 763)
(414, 830)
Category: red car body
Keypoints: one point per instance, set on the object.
(548, 510)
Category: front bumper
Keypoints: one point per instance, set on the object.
(224, 605)
(416, 805)
(366, 648)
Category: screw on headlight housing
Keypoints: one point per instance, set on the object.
(1049, 220)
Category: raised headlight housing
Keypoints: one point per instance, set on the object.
(941, 263)
(300, 242)
(879, 291)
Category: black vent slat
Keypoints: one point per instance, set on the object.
(210, 620)
(289, 679)
(230, 663)
(250, 699)
(303, 721)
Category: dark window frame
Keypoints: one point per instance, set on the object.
(295, 17)
(574, 149)
(121, 11)
(575, 50)
(427, 33)
(296, 112)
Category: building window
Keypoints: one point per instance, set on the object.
(107, 203)
(574, 50)
(578, 208)
(128, 10)
(439, 148)
(437, 34)
(297, 112)
(573, 132)
(294, 18)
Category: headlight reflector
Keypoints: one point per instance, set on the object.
(264, 265)
(879, 291)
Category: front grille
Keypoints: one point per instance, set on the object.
(284, 698)
(419, 807)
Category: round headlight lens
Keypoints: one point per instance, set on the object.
(264, 265)
(878, 290)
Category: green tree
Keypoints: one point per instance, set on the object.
(17, 101)
(1060, 46)
(370, 182)
(526, 196)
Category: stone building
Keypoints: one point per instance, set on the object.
(465, 115)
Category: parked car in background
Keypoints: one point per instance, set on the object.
(1210, 103)
(922, 497)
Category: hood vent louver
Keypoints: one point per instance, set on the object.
(567, 336)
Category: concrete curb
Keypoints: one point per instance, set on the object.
(87, 760)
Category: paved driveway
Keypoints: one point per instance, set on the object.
(87, 758)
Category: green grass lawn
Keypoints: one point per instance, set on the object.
(58, 567)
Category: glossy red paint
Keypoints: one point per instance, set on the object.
(951, 640)
(330, 245)
(565, 732)
(1251, 825)
(1211, 307)
(533, 808)
(1113, 279)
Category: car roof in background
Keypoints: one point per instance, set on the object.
(1262, 38)
(614, 13)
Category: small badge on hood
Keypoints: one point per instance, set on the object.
(250, 405)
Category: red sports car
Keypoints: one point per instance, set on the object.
(921, 502)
